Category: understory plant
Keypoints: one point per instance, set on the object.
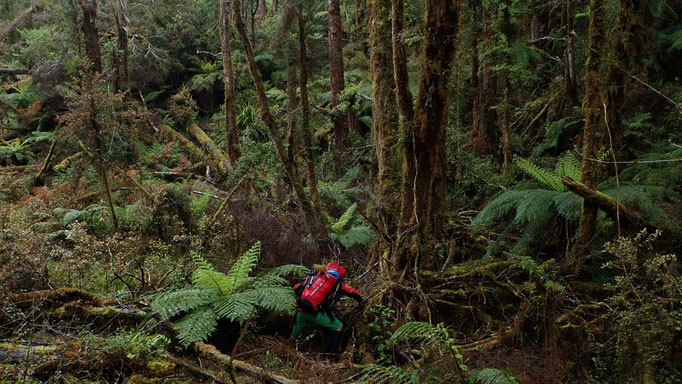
(536, 210)
(440, 362)
(236, 296)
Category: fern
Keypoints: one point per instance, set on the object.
(350, 231)
(235, 296)
(491, 376)
(378, 374)
(550, 179)
(419, 331)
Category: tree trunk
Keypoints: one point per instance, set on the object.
(262, 11)
(122, 28)
(506, 130)
(425, 167)
(306, 132)
(275, 5)
(570, 80)
(384, 114)
(336, 69)
(593, 134)
(315, 223)
(19, 21)
(484, 138)
(606, 203)
(228, 78)
(90, 34)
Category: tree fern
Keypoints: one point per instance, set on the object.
(235, 296)
(491, 376)
(349, 229)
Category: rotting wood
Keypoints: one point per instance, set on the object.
(13, 71)
(19, 21)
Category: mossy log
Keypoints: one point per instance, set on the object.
(208, 351)
(606, 203)
(76, 304)
(218, 157)
(195, 153)
(19, 21)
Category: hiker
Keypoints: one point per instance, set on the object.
(317, 292)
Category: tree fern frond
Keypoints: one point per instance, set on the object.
(344, 220)
(498, 207)
(214, 280)
(196, 325)
(536, 205)
(168, 304)
(277, 299)
(236, 307)
(241, 268)
(551, 180)
(289, 270)
(378, 374)
(419, 331)
(353, 236)
(491, 376)
(567, 205)
(568, 165)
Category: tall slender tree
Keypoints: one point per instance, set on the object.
(336, 69)
(593, 134)
(121, 17)
(315, 223)
(228, 80)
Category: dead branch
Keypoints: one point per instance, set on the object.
(20, 21)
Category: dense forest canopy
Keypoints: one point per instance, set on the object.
(501, 179)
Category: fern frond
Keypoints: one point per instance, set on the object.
(196, 325)
(206, 276)
(551, 180)
(498, 207)
(236, 307)
(276, 299)
(491, 376)
(289, 270)
(568, 165)
(344, 220)
(168, 304)
(354, 236)
(241, 268)
(422, 332)
(378, 374)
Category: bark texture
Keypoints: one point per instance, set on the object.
(593, 134)
(19, 21)
(608, 204)
(336, 69)
(384, 112)
(218, 156)
(570, 80)
(228, 78)
(123, 76)
(484, 137)
(91, 34)
(425, 167)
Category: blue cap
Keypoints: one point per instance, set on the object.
(333, 273)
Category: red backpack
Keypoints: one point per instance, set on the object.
(320, 288)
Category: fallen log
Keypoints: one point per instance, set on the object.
(208, 351)
(195, 153)
(20, 21)
(218, 156)
(13, 71)
(604, 202)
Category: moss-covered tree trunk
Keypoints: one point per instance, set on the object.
(336, 69)
(425, 164)
(228, 79)
(484, 137)
(90, 33)
(570, 80)
(593, 134)
(121, 17)
(315, 223)
(306, 132)
(384, 118)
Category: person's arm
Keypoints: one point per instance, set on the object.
(351, 292)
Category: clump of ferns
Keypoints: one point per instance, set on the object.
(436, 338)
(536, 210)
(236, 296)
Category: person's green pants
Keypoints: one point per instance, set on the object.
(323, 319)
